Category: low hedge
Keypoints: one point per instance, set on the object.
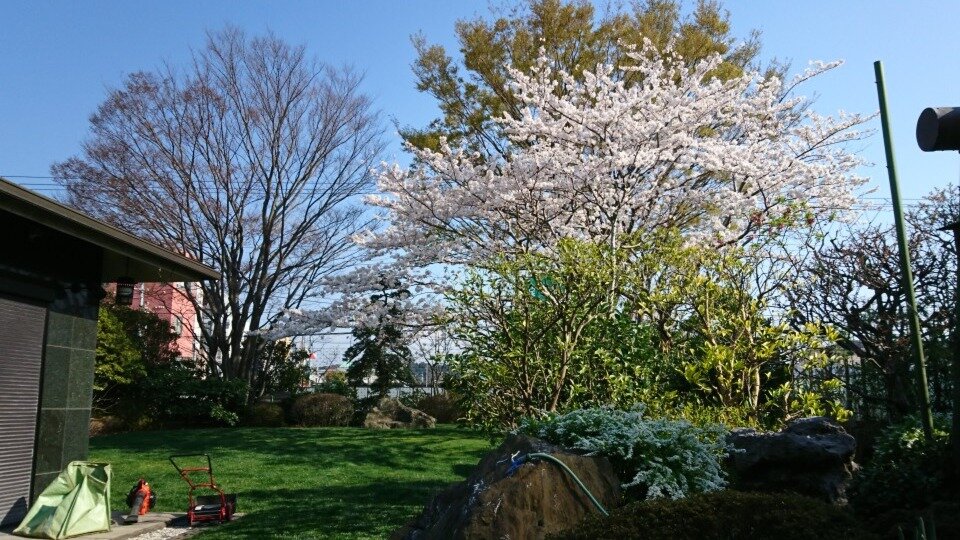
(441, 407)
(723, 515)
(107, 425)
(264, 415)
(322, 410)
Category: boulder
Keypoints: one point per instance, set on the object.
(536, 499)
(390, 414)
(811, 456)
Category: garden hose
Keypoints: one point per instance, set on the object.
(573, 475)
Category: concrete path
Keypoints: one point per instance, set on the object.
(153, 521)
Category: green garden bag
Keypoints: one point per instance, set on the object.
(77, 502)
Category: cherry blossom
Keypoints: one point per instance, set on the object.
(593, 157)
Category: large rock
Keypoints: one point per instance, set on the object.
(811, 456)
(538, 499)
(390, 414)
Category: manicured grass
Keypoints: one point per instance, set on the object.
(300, 482)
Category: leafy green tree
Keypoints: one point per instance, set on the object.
(522, 319)
(129, 343)
(737, 355)
(381, 348)
(473, 90)
(546, 333)
(119, 362)
(677, 327)
(733, 351)
(282, 368)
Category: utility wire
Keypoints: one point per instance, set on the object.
(207, 181)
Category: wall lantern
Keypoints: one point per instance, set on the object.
(125, 290)
(938, 128)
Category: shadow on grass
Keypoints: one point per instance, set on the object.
(302, 483)
(371, 511)
(281, 446)
(462, 469)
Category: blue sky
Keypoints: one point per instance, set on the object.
(58, 58)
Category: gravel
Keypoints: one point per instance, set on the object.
(170, 531)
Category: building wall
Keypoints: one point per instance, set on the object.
(57, 261)
(64, 275)
(169, 301)
(66, 386)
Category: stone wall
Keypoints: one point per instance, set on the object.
(66, 385)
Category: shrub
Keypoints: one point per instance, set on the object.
(723, 515)
(944, 516)
(443, 407)
(362, 407)
(264, 415)
(336, 383)
(282, 368)
(706, 415)
(106, 425)
(413, 398)
(174, 395)
(661, 458)
(906, 473)
(321, 410)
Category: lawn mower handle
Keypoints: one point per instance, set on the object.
(180, 470)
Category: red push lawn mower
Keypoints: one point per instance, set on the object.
(218, 508)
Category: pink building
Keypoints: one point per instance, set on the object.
(169, 302)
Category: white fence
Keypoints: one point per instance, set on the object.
(366, 391)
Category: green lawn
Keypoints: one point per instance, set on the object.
(300, 483)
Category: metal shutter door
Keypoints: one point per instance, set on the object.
(21, 346)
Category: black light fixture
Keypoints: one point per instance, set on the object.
(125, 286)
(938, 128)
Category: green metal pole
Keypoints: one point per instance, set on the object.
(926, 413)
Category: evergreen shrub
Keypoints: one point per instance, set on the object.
(336, 383)
(175, 395)
(906, 472)
(264, 415)
(656, 458)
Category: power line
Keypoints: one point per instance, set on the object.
(37, 177)
(46, 187)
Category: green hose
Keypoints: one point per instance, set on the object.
(575, 479)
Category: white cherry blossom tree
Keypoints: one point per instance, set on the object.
(596, 158)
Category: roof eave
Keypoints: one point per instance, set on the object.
(149, 260)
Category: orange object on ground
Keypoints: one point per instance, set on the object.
(140, 499)
(145, 505)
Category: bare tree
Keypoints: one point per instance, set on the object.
(249, 161)
(855, 287)
(854, 284)
(434, 349)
